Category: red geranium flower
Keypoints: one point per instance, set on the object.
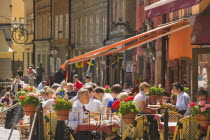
(106, 87)
(192, 104)
(30, 89)
(22, 97)
(208, 99)
(16, 89)
(129, 99)
(116, 104)
(55, 101)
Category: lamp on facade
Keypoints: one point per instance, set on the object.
(126, 25)
(54, 51)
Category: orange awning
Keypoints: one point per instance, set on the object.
(145, 38)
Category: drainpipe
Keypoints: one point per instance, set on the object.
(69, 52)
(107, 38)
(163, 51)
(33, 53)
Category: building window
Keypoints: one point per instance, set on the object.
(81, 30)
(43, 26)
(76, 31)
(21, 20)
(91, 29)
(32, 23)
(67, 27)
(104, 25)
(176, 15)
(61, 27)
(39, 27)
(97, 28)
(49, 27)
(187, 11)
(28, 21)
(56, 27)
(86, 30)
(140, 2)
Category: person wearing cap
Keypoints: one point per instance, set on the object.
(87, 81)
(77, 83)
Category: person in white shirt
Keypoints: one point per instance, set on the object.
(140, 98)
(47, 104)
(81, 109)
(102, 96)
(126, 88)
(87, 81)
(183, 99)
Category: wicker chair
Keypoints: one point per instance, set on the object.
(139, 129)
(50, 125)
(208, 133)
(188, 129)
(173, 117)
(161, 109)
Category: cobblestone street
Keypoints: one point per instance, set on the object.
(4, 134)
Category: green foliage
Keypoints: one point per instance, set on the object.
(186, 89)
(62, 104)
(107, 89)
(156, 91)
(127, 107)
(197, 110)
(137, 77)
(30, 99)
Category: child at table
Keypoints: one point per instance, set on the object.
(115, 91)
(202, 95)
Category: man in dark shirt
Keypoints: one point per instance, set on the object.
(20, 72)
(39, 73)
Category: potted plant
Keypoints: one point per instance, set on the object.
(107, 89)
(201, 112)
(186, 89)
(29, 101)
(127, 109)
(137, 79)
(155, 93)
(62, 108)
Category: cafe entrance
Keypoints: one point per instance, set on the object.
(201, 70)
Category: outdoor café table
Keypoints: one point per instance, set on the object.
(152, 110)
(158, 116)
(89, 127)
(171, 126)
(22, 128)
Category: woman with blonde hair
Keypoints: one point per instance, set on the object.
(6, 100)
(122, 96)
(140, 98)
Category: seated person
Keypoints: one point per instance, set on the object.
(183, 99)
(166, 98)
(55, 86)
(42, 85)
(202, 95)
(6, 101)
(70, 92)
(115, 91)
(134, 91)
(80, 111)
(47, 104)
(102, 96)
(140, 98)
